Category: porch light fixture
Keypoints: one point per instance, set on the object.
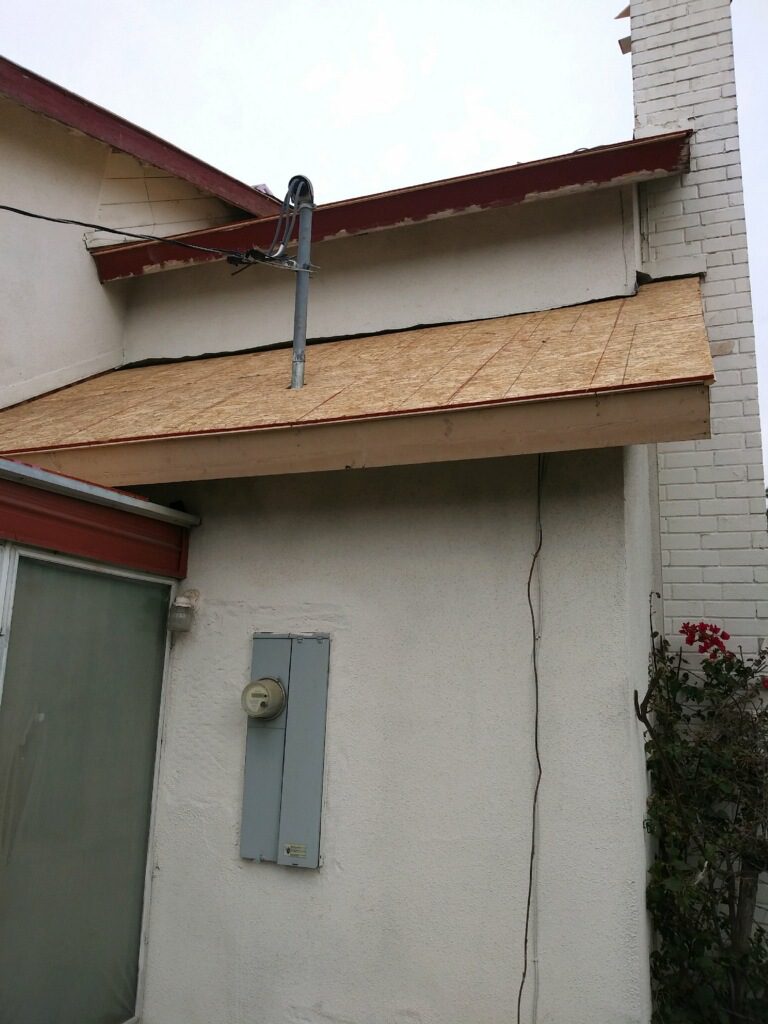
(181, 614)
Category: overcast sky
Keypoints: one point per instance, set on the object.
(363, 96)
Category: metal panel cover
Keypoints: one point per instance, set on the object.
(283, 783)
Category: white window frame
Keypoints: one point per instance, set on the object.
(9, 560)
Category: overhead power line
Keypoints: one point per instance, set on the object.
(246, 259)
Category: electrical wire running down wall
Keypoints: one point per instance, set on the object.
(535, 640)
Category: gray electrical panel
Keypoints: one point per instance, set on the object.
(283, 782)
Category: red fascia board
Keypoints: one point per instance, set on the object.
(636, 160)
(38, 94)
(57, 522)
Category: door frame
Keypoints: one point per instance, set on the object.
(9, 561)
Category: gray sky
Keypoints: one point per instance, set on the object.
(363, 96)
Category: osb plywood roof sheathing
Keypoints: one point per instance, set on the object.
(653, 339)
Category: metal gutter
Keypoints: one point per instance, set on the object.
(44, 97)
(601, 167)
(45, 480)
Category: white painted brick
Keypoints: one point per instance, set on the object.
(742, 556)
(724, 287)
(726, 574)
(726, 316)
(693, 524)
(727, 378)
(677, 476)
(705, 231)
(733, 300)
(671, 223)
(741, 489)
(679, 508)
(698, 45)
(681, 541)
(685, 458)
(698, 591)
(721, 213)
(742, 522)
(722, 540)
(721, 474)
(719, 259)
(710, 132)
(689, 491)
(683, 71)
(709, 27)
(700, 70)
(696, 556)
(723, 119)
(724, 507)
(684, 574)
(729, 457)
(723, 609)
(733, 424)
(686, 609)
(722, 78)
(705, 101)
(721, 411)
(744, 591)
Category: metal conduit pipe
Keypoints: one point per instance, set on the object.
(300, 189)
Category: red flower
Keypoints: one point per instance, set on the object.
(764, 681)
(709, 637)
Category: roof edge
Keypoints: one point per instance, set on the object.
(54, 101)
(602, 166)
(96, 494)
(678, 413)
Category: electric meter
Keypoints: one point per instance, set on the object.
(263, 698)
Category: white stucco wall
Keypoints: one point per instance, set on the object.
(57, 324)
(416, 917)
(554, 252)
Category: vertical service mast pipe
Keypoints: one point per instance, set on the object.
(301, 189)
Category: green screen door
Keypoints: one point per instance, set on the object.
(79, 713)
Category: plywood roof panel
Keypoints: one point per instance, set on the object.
(653, 339)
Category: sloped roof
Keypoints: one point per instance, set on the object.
(653, 340)
(44, 97)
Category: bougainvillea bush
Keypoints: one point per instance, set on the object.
(706, 720)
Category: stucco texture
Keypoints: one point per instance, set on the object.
(538, 255)
(57, 324)
(416, 916)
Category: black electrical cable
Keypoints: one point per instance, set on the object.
(535, 802)
(230, 254)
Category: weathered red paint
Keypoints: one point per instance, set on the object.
(70, 526)
(44, 97)
(635, 160)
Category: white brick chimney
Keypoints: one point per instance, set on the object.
(713, 526)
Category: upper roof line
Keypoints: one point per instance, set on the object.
(44, 97)
(603, 166)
